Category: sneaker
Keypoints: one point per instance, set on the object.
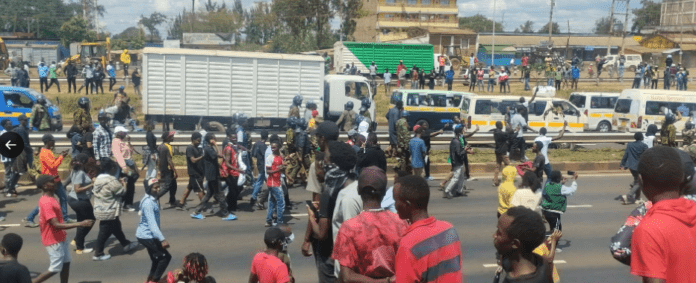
(128, 208)
(268, 224)
(430, 178)
(230, 217)
(447, 195)
(73, 243)
(260, 206)
(8, 195)
(625, 199)
(130, 247)
(197, 216)
(101, 257)
(29, 224)
(83, 251)
(558, 250)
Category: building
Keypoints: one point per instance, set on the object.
(677, 16)
(655, 48)
(391, 20)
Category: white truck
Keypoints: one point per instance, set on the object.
(193, 88)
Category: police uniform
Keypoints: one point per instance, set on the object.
(294, 112)
(402, 152)
(347, 118)
(82, 119)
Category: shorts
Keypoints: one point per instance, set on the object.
(500, 158)
(58, 254)
(196, 183)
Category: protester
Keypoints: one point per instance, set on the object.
(102, 137)
(194, 167)
(150, 154)
(662, 244)
(517, 121)
(370, 258)
(194, 270)
(274, 167)
(506, 189)
(388, 201)
(258, 152)
(266, 266)
(150, 236)
(630, 161)
(418, 151)
(649, 138)
(108, 193)
(428, 242)
(371, 154)
(212, 176)
(538, 164)
(387, 82)
(393, 115)
(348, 203)
(42, 69)
(449, 78)
(52, 229)
(501, 138)
(520, 230)
(426, 135)
(230, 171)
(167, 169)
(111, 71)
(80, 200)
(458, 161)
(49, 166)
(10, 269)
(529, 193)
(545, 142)
(123, 154)
(555, 199)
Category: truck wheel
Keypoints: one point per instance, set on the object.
(604, 127)
(456, 64)
(215, 126)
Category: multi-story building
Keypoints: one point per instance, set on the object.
(390, 20)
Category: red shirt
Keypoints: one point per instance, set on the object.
(49, 209)
(233, 161)
(664, 244)
(429, 252)
(274, 179)
(524, 61)
(49, 164)
(269, 269)
(367, 243)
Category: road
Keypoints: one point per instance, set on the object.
(592, 218)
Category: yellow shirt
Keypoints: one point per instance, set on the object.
(312, 123)
(543, 251)
(506, 189)
(125, 58)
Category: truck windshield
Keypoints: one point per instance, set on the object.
(396, 96)
(357, 90)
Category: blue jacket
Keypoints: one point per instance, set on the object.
(576, 73)
(43, 71)
(449, 75)
(632, 154)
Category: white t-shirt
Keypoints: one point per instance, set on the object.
(518, 120)
(373, 69)
(648, 140)
(544, 150)
(525, 197)
(268, 157)
(387, 77)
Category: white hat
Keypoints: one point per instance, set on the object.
(119, 129)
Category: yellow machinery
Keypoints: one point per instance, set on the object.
(4, 56)
(92, 52)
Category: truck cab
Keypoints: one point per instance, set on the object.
(339, 89)
(17, 101)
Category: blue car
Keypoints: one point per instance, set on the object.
(18, 100)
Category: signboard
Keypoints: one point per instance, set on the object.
(658, 42)
(589, 48)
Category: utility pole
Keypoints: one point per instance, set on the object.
(625, 24)
(493, 49)
(611, 26)
(553, 3)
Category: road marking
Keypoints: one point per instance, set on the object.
(9, 225)
(586, 144)
(299, 215)
(580, 206)
(491, 265)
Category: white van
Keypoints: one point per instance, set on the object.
(597, 106)
(484, 111)
(632, 61)
(636, 109)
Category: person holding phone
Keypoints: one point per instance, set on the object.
(555, 198)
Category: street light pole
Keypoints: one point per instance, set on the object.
(493, 48)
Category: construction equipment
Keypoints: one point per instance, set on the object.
(92, 52)
(4, 56)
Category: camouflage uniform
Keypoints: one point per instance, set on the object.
(347, 118)
(403, 138)
(294, 112)
(689, 136)
(44, 124)
(291, 157)
(82, 119)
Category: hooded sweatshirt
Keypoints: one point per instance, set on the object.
(506, 189)
(663, 245)
(107, 197)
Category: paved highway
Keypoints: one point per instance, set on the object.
(592, 218)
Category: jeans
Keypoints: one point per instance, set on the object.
(169, 185)
(232, 192)
(13, 81)
(213, 191)
(325, 265)
(62, 198)
(491, 85)
(159, 256)
(634, 192)
(666, 85)
(458, 180)
(679, 84)
(646, 82)
(258, 185)
(621, 72)
(549, 82)
(547, 171)
(83, 211)
(106, 229)
(53, 81)
(520, 144)
(427, 167)
(112, 82)
(479, 83)
(554, 220)
(526, 84)
(9, 177)
(276, 200)
(636, 83)
(151, 169)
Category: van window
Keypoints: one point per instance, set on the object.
(598, 102)
(577, 100)
(454, 101)
(537, 108)
(396, 97)
(623, 106)
(568, 109)
(357, 90)
(438, 100)
(412, 99)
(654, 107)
(505, 104)
(483, 107)
(465, 105)
(18, 100)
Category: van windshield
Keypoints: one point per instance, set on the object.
(623, 106)
(396, 96)
(577, 100)
(465, 105)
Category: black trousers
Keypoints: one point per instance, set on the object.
(112, 82)
(98, 84)
(71, 82)
(213, 192)
(427, 167)
(169, 186)
(159, 256)
(449, 85)
(554, 220)
(106, 229)
(53, 81)
(654, 84)
(232, 192)
(130, 185)
(42, 82)
(125, 70)
(83, 211)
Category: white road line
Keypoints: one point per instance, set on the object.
(580, 206)
(586, 144)
(299, 215)
(491, 265)
(9, 225)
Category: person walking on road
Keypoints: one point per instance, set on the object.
(528, 194)
(111, 72)
(458, 160)
(70, 72)
(506, 189)
(668, 132)
(150, 235)
(418, 151)
(212, 176)
(546, 141)
(630, 161)
(258, 151)
(194, 167)
(555, 199)
(267, 265)
(79, 200)
(123, 153)
(53, 76)
(274, 167)
(101, 140)
(167, 169)
(88, 74)
(43, 76)
(501, 138)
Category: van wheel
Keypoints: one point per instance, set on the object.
(423, 122)
(215, 126)
(604, 127)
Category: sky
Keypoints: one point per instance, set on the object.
(582, 15)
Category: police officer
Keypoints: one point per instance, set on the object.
(403, 138)
(295, 107)
(39, 115)
(291, 156)
(365, 110)
(345, 121)
(302, 159)
(82, 117)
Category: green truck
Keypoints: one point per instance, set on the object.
(385, 55)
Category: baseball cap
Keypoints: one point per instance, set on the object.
(119, 129)
(328, 130)
(152, 182)
(416, 127)
(273, 235)
(373, 177)
(42, 180)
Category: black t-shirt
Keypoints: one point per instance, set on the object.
(194, 169)
(13, 272)
(327, 203)
(539, 163)
(211, 164)
(540, 275)
(151, 142)
(88, 137)
(425, 136)
(258, 151)
(501, 142)
(164, 157)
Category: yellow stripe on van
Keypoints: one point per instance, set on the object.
(15, 114)
(438, 109)
(452, 109)
(537, 124)
(595, 115)
(480, 123)
(608, 115)
(492, 123)
(410, 108)
(576, 125)
(553, 125)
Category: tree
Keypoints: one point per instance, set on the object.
(350, 10)
(260, 24)
(75, 30)
(527, 27)
(647, 15)
(150, 23)
(43, 18)
(479, 23)
(545, 29)
(602, 25)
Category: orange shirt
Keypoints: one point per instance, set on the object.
(49, 164)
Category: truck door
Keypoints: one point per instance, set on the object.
(564, 111)
(344, 91)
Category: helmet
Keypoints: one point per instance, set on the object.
(292, 122)
(102, 116)
(41, 99)
(365, 104)
(297, 100)
(670, 118)
(121, 88)
(83, 102)
(310, 104)
(301, 123)
(349, 105)
(241, 117)
(689, 125)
